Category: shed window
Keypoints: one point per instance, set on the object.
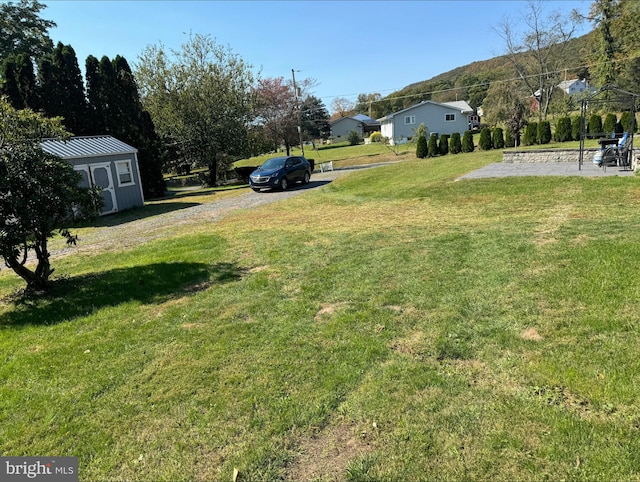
(125, 175)
(449, 117)
(410, 119)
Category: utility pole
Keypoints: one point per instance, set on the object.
(295, 91)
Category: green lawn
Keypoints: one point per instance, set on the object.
(342, 154)
(395, 324)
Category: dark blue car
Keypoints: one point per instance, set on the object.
(280, 172)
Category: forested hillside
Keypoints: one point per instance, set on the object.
(471, 82)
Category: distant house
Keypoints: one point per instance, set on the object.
(569, 87)
(369, 125)
(362, 124)
(576, 86)
(104, 162)
(438, 117)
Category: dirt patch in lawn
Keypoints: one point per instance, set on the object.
(326, 455)
(531, 334)
(327, 310)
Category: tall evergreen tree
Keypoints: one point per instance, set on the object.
(134, 126)
(115, 108)
(109, 95)
(26, 79)
(315, 118)
(62, 90)
(467, 142)
(9, 83)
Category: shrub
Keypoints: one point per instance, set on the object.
(422, 149)
(628, 122)
(354, 138)
(467, 142)
(509, 141)
(543, 134)
(375, 137)
(618, 129)
(433, 145)
(498, 138)
(595, 126)
(575, 127)
(530, 134)
(443, 146)
(485, 139)
(563, 129)
(609, 126)
(455, 143)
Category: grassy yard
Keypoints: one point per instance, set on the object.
(395, 324)
(343, 155)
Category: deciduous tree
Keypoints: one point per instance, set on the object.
(536, 53)
(39, 193)
(275, 110)
(199, 97)
(341, 107)
(23, 31)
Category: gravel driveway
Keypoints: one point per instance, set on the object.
(133, 233)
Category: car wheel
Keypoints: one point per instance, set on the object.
(284, 184)
(306, 177)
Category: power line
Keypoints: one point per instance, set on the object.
(487, 83)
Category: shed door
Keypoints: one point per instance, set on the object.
(99, 175)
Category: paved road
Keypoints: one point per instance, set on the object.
(505, 169)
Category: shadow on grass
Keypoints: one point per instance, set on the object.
(298, 187)
(135, 214)
(82, 295)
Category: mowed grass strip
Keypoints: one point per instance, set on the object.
(396, 324)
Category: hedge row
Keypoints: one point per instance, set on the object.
(444, 144)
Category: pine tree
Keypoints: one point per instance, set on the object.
(595, 125)
(563, 129)
(485, 139)
(498, 138)
(530, 134)
(609, 126)
(467, 142)
(9, 86)
(543, 134)
(62, 90)
(509, 141)
(455, 143)
(422, 149)
(433, 145)
(135, 127)
(576, 122)
(26, 78)
(628, 122)
(443, 145)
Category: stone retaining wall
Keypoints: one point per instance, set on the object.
(557, 155)
(547, 155)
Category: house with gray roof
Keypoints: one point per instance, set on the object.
(104, 162)
(576, 86)
(438, 117)
(362, 124)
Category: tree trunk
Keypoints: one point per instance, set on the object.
(33, 281)
(212, 174)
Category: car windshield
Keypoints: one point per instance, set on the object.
(274, 163)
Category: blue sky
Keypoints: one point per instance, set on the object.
(348, 47)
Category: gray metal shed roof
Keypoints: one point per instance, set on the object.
(93, 146)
